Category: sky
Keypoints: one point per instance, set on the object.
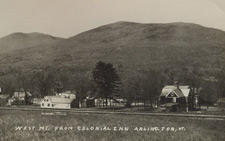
(66, 18)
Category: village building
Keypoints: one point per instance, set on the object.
(119, 102)
(67, 94)
(179, 98)
(20, 97)
(56, 102)
(172, 98)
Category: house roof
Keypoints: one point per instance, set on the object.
(58, 99)
(185, 90)
(178, 92)
(173, 87)
(169, 89)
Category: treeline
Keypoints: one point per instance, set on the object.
(141, 86)
(145, 86)
(46, 81)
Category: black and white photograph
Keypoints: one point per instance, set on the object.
(112, 70)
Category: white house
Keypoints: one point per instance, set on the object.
(20, 95)
(56, 102)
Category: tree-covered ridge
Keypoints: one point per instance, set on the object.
(189, 53)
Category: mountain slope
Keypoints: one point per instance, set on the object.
(130, 47)
(19, 40)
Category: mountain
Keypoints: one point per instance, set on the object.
(130, 47)
(17, 41)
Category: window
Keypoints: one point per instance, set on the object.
(52, 105)
(48, 105)
(47, 99)
(43, 104)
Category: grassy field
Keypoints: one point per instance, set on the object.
(23, 125)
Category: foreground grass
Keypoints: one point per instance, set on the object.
(195, 129)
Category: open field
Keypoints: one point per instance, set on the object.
(105, 127)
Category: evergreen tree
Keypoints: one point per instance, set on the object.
(107, 80)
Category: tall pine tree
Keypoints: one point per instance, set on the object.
(107, 80)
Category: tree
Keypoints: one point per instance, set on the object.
(24, 84)
(44, 81)
(82, 85)
(133, 89)
(107, 80)
(152, 86)
(220, 84)
(208, 94)
(8, 84)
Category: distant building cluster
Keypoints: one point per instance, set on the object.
(173, 98)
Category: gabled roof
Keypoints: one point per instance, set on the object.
(177, 92)
(58, 99)
(169, 89)
(185, 90)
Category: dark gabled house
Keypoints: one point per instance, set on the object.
(179, 98)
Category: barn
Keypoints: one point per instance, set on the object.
(56, 102)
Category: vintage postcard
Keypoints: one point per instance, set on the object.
(112, 70)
